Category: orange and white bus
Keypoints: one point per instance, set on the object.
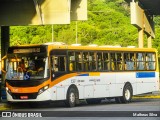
(53, 72)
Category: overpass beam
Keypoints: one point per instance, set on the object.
(144, 23)
(4, 46)
(141, 38)
(149, 38)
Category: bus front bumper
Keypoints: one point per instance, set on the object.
(45, 96)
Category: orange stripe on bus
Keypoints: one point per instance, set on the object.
(60, 79)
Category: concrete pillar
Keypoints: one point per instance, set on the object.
(141, 38)
(4, 47)
(4, 40)
(149, 41)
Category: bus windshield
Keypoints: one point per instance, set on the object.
(24, 67)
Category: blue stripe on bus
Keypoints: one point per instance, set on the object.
(84, 75)
(145, 74)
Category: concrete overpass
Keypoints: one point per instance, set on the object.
(150, 6)
(142, 14)
(38, 12)
(41, 12)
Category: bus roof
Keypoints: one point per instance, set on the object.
(69, 47)
(79, 47)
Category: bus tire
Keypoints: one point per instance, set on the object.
(127, 94)
(71, 97)
(93, 101)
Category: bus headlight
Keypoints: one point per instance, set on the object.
(43, 89)
(8, 90)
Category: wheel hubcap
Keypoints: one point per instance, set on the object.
(127, 94)
(72, 97)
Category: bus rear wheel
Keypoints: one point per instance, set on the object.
(71, 97)
(127, 94)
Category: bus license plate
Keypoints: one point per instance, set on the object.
(24, 97)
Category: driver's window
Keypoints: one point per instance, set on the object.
(58, 63)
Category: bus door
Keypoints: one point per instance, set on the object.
(58, 63)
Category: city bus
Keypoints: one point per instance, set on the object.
(70, 73)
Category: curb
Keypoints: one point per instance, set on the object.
(5, 107)
(147, 97)
(153, 95)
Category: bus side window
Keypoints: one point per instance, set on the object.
(106, 61)
(119, 61)
(78, 56)
(62, 63)
(85, 61)
(90, 59)
(113, 61)
(150, 61)
(140, 61)
(132, 61)
(100, 61)
(71, 61)
(129, 60)
(55, 64)
(94, 62)
(58, 63)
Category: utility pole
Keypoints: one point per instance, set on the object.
(52, 33)
(76, 33)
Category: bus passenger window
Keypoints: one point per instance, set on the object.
(78, 61)
(140, 61)
(59, 63)
(129, 61)
(106, 61)
(71, 61)
(85, 61)
(119, 61)
(90, 59)
(94, 62)
(100, 64)
(132, 61)
(150, 61)
(113, 61)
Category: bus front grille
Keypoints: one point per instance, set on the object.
(24, 95)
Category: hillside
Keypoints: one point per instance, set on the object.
(108, 24)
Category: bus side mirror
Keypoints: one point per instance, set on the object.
(3, 68)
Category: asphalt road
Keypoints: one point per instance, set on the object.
(139, 107)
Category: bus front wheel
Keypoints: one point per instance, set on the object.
(71, 97)
(127, 94)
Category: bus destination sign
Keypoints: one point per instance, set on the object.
(26, 50)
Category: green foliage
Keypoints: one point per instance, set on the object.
(108, 24)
